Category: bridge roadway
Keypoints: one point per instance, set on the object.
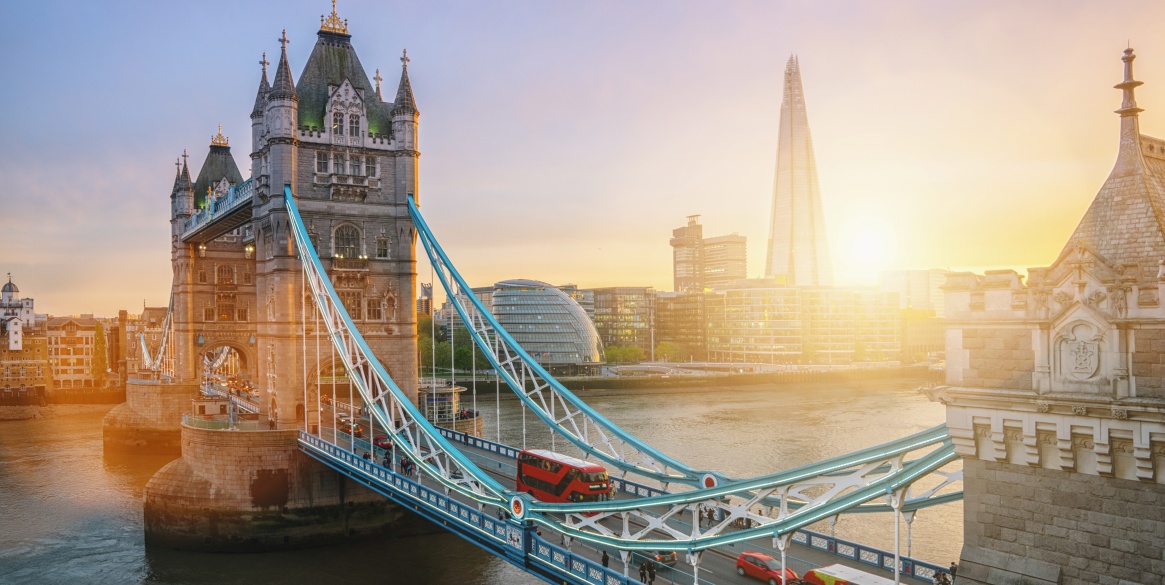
(717, 566)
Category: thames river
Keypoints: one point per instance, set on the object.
(69, 515)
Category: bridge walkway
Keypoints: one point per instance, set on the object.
(717, 567)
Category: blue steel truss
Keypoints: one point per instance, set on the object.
(771, 506)
(544, 395)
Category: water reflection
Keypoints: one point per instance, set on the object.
(74, 516)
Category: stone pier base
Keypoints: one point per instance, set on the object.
(150, 419)
(251, 491)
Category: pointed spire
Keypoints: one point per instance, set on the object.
(404, 92)
(283, 88)
(264, 89)
(182, 184)
(798, 251)
(1129, 159)
(378, 79)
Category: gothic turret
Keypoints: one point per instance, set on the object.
(404, 110)
(281, 119)
(1125, 225)
(404, 104)
(257, 114)
(182, 195)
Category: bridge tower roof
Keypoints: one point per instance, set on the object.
(219, 164)
(1125, 224)
(332, 60)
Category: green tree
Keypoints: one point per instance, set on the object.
(625, 354)
(667, 351)
(99, 363)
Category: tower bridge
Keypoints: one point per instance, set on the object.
(304, 273)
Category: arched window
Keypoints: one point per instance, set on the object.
(347, 244)
(224, 274)
(353, 125)
(338, 123)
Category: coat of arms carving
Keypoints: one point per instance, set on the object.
(1079, 352)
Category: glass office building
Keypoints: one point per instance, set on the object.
(550, 325)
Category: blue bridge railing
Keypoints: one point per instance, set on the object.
(840, 547)
(235, 197)
(516, 542)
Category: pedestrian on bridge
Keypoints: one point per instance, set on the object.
(643, 572)
(606, 559)
(650, 573)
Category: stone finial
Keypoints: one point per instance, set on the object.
(1129, 160)
(1129, 101)
(264, 63)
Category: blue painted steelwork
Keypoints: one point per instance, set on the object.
(392, 408)
(857, 479)
(514, 541)
(238, 196)
(211, 389)
(164, 348)
(657, 465)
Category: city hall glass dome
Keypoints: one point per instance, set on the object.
(549, 325)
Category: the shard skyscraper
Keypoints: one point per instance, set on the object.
(798, 252)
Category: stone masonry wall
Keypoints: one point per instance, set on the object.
(999, 358)
(1096, 530)
(163, 403)
(1149, 363)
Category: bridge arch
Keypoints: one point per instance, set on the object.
(245, 356)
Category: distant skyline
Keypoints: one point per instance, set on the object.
(564, 141)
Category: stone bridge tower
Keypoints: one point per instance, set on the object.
(1056, 392)
(350, 159)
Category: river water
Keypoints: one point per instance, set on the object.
(70, 515)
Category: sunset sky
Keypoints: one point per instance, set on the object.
(563, 141)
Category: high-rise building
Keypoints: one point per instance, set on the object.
(688, 256)
(700, 263)
(917, 289)
(680, 318)
(763, 321)
(725, 260)
(624, 316)
(798, 253)
(425, 300)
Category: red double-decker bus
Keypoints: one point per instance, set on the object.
(554, 477)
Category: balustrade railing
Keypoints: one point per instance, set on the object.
(236, 196)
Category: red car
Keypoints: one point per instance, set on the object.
(764, 567)
(382, 442)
